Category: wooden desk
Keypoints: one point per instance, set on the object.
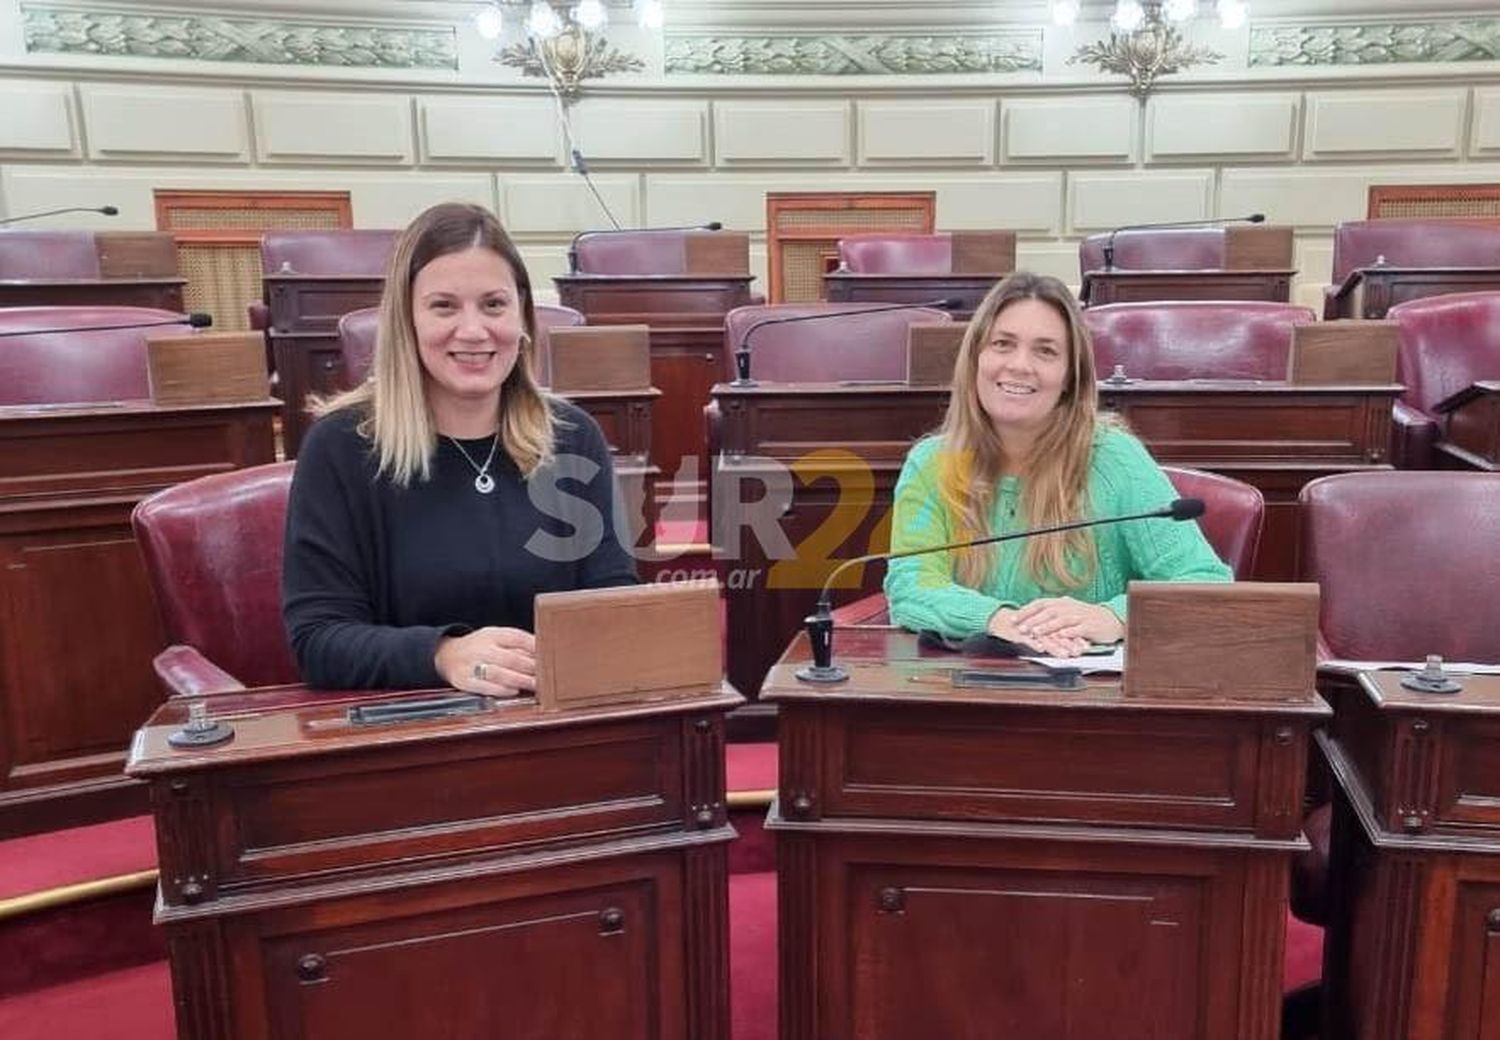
(958, 863)
(1371, 291)
(1275, 436)
(624, 417)
(686, 316)
(161, 293)
(510, 873)
(1413, 940)
(1471, 438)
(79, 621)
(847, 287)
(847, 444)
(1101, 287)
(304, 337)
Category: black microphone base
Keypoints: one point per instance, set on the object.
(747, 381)
(822, 674)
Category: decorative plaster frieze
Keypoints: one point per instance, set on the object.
(70, 30)
(851, 55)
(1376, 44)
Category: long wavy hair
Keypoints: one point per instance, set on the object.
(397, 418)
(1054, 476)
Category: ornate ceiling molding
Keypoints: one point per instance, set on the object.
(111, 32)
(1344, 43)
(837, 54)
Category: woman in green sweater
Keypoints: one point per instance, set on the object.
(1023, 446)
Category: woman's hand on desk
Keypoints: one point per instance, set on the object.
(497, 662)
(1003, 623)
(1065, 618)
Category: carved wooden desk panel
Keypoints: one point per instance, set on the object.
(1371, 291)
(304, 335)
(624, 417)
(1275, 436)
(686, 316)
(915, 289)
(1101, 287)
(1048, 863)
(79, 621)
(1413, 948)
(509, 873)
(836, 451)
(846, 445)
(161, 293)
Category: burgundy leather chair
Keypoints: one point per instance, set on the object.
(360, 253)
(1168, 249)
(1413, 243)
(1182, 339)
(1392, 553)
(27, 255)
(77, 367)
(897, 254)
(1232, 523)
(856, 346)
(357, 339)
(1447, 343)
(643, 252)
(213, 549)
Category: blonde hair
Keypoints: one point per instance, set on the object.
(397, 419)
(1054, 474)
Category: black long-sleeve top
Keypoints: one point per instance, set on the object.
(375, 575)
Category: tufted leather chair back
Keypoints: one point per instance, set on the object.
(213, 550)
(897, 254)
(1413, 243)
(1169, 249)
(1182, 339)
(362, 253)
(1446, 343)
(1407, 563)
(852, 346)
(48, 254)
(357, 331)
(77, 367)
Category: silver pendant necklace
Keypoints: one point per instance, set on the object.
(483, 482)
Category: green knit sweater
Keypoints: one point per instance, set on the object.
(1123, 478)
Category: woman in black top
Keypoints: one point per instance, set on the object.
(432, 503)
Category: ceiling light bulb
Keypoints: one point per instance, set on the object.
(543, 22)
(1064, 12)
(650, 14)
(1180, 10)
(488, 21)
(590, 14)
(1233, 13)
(1128, 15)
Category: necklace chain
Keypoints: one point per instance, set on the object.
(483, 482)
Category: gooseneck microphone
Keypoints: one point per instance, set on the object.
(108, 211)
(196, 320)
(1109, 245)
(712, 225)
(742, 349)
(820, 622)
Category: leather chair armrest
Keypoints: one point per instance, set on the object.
(187, 673)
(1309, 889)
(260, 316)
(1413, 434)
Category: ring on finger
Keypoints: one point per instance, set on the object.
(481, 671)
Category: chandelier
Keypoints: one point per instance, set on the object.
(564, 40)
(1144, 41)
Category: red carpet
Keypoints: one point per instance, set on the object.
(129, 1004)
(42, 861)
(750, 767)
(752, 956)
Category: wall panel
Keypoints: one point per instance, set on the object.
(959, 133)
(317, 127)
(480, 129)
(1180, 126)
(1098, 201)
(1349, 124)
(1486, 138)
(1070, 129)
(139, 123)
(776, 133)
(643, 132)
(563, 204)
(38, 119)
